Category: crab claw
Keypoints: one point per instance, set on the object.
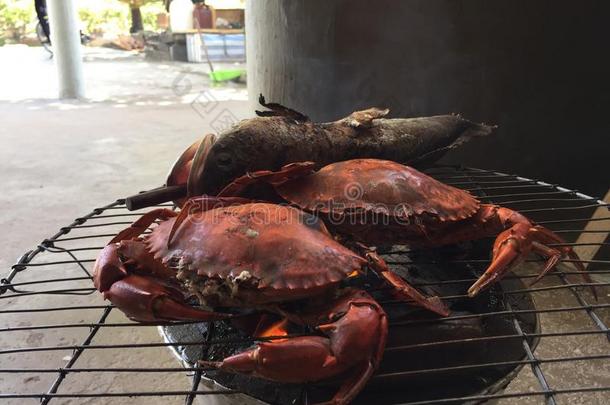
(142, 298)
(353, 341)
(146, 300)
(512, 247)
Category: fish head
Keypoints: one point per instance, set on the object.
(223, 158)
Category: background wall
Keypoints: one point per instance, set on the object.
(538, 69)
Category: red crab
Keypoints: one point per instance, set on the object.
(232, 253)
(378, 201)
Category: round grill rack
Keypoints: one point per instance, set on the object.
(81, 348)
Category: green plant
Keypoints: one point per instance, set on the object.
(98, 17)
(17, 17)
(149, 14)
(135, 9)
(107, 20)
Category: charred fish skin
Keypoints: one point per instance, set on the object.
(270, 142)
(282, 136)
(416, 141)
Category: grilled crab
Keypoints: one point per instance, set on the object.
(232, 253)
(378, 201)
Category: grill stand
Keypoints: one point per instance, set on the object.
(38, 273)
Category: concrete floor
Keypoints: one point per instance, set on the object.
(58, 160)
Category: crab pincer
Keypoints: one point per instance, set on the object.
(520, 238)
(353, 331)
(139, 284)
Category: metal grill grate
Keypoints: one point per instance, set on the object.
(80, 347)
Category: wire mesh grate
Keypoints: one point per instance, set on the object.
(60, 341)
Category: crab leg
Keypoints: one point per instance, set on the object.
(354, 335)
(514, 244)
(139, 226)
(290, 171)
(404, 289)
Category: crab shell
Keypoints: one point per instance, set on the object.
(253, 254)
(378, 186)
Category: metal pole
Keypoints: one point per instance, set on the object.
(65, 39)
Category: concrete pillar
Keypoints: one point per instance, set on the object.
(290, 53)
(535, 68)
(65, 38)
